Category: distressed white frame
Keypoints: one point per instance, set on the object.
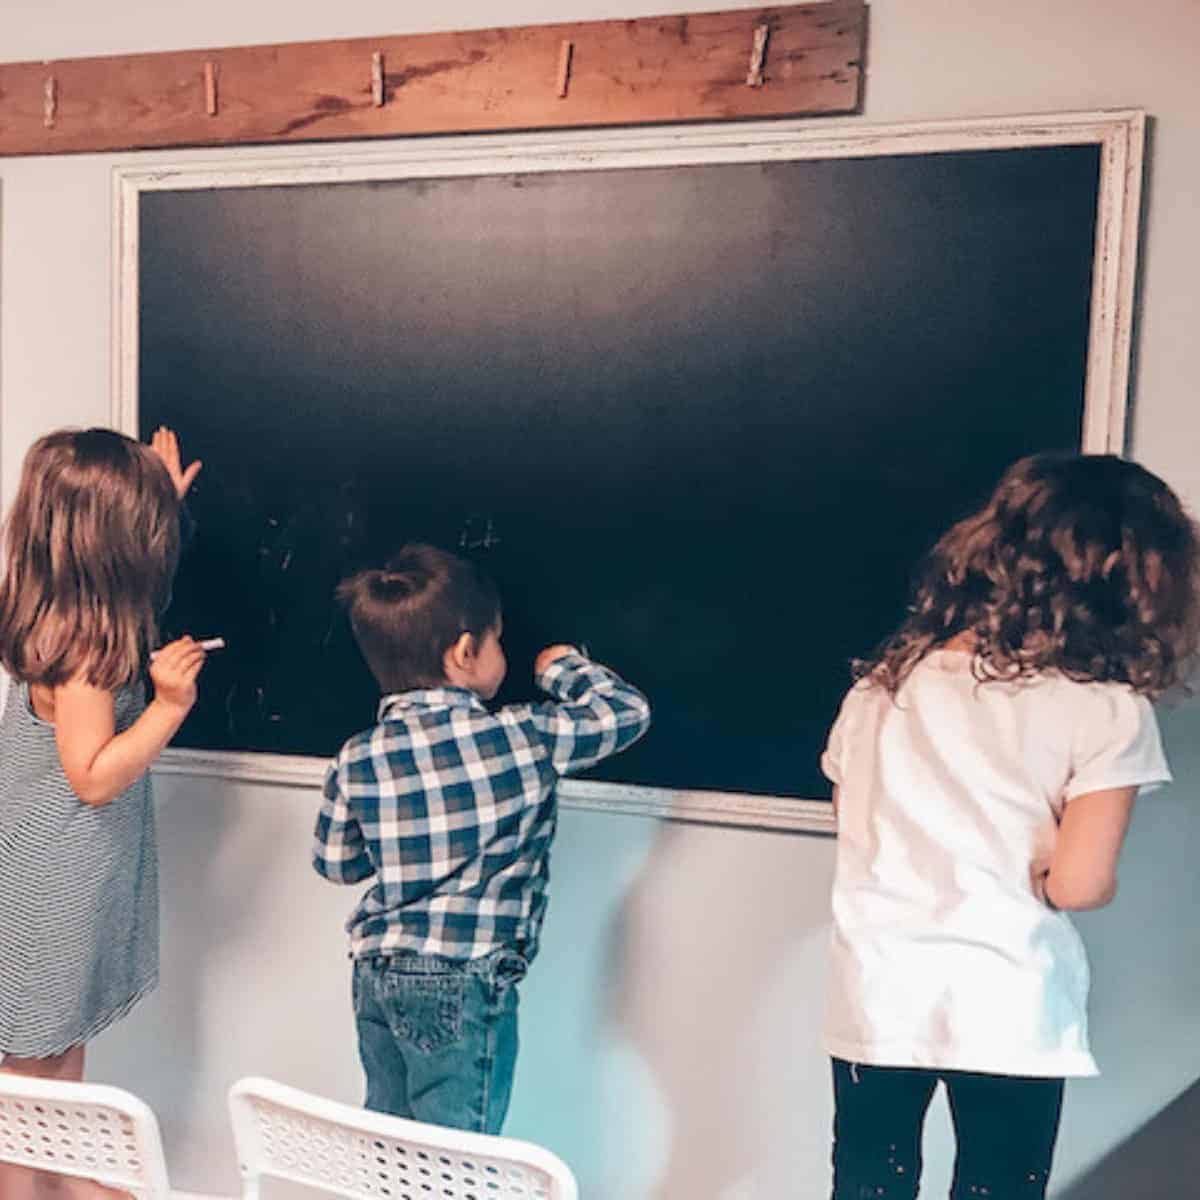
(1119, 134)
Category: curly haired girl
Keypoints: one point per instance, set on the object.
(985, 766)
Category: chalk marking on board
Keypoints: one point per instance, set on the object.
(758, 56)
(566, 52)
(470, 538)
(49, 101)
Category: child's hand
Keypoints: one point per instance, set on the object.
(549, 655)
(174, 669)
(165, 444)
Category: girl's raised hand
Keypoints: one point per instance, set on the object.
(165, 444)
(174, 669)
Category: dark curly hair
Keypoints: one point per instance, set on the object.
(1084, 564)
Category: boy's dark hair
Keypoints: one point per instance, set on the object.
(1084, 564)
(408, 614)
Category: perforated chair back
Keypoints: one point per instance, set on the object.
(82, 1129)
(362, 1155)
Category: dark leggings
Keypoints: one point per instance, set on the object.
(1005, 1127)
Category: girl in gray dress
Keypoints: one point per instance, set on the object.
(90, 547)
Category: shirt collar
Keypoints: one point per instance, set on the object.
(398, 704)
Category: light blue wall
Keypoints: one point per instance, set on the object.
(669, 1025)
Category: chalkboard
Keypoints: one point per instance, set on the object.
(703, 418)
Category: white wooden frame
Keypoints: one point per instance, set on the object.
(1119, 135)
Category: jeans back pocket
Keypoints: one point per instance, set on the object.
(424, 1010)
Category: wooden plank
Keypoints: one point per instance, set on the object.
(661, 69)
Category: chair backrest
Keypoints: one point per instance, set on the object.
(364, 1155)
(82, 1129)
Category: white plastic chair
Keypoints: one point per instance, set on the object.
(86, 1130)
(362, 1155)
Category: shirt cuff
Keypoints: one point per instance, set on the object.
(559, 676)
(1144, 784)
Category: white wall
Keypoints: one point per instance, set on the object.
(669, 1032)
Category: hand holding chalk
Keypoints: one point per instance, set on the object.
(549, 655)
(173, 671)
(207, 645)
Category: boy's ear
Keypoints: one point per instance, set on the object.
(462, 653)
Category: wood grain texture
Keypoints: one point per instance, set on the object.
(652, 70)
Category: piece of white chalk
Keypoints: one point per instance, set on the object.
(217, 643)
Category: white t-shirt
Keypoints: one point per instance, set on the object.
(943, 956)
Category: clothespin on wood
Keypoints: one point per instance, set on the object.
(758, 56)
(210, 88)
(49, 101)
(378, 92)
(566, 52)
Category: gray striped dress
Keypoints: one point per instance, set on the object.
(78, 891)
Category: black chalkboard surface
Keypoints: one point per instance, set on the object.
(703, 419)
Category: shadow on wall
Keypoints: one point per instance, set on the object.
(1156, 1162)
(713, 986)
(254, 972)
(1145, 955)
(205, 903)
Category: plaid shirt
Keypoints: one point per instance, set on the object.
(452, 809)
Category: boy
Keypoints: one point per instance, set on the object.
(452, 809)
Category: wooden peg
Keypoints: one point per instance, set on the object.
(378, 95)
(565, 53)
(758, 56)
(210, 88)
(49, 102)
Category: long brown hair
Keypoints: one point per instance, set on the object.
(1084, 564)
(90, 548)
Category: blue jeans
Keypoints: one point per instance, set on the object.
(438, 1037)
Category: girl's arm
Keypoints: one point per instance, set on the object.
(1115, 752)
(100, 763)
(1083, 868)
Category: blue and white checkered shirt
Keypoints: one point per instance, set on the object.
(452, 809)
